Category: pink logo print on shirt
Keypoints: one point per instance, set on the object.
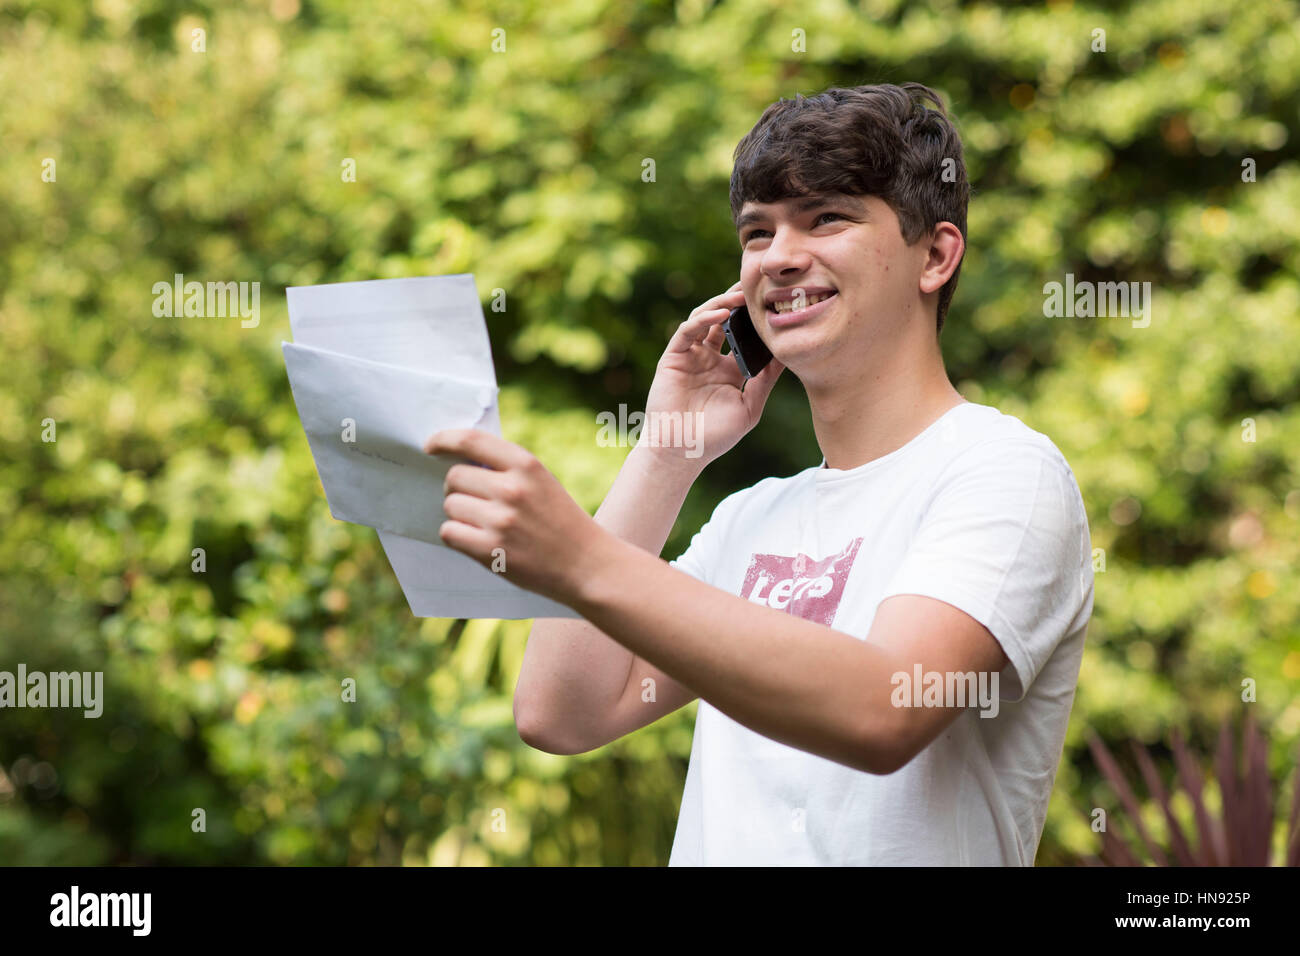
(799, 585)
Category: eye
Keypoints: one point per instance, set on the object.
(756, 232)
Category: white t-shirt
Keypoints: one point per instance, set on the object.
(979, 511)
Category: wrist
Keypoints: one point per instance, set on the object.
(597, 569)
(665, 464)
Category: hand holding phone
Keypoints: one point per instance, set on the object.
(750, 353)
(696, 382)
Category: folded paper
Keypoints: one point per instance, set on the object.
(375, 369)
(366, 422)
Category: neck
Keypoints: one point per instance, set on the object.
(861, 414)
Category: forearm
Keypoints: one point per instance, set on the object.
(791, 680)
(646, 498)
(569, 666)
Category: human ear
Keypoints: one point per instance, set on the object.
(944, 253)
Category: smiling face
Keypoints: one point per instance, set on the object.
(847, 248)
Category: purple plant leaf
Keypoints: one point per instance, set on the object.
(1182, 849)
(1113, 773)
(1260, 794)
(1189, 774)
(1234, 823)
(1116, 852)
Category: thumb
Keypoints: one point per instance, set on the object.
(760, 386)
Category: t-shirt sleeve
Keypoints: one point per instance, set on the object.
(1005, 539)
(701, 557)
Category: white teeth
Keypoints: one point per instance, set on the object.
(788, 305)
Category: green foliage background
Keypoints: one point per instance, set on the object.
(524, 167)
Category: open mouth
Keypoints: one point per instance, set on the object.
(809, 302)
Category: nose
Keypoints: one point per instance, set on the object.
(784, 253)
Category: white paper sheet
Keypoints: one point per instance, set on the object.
(402, 358)
(429, 324)
(366, 422)
(442, 582)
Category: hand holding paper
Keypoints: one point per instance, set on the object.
(376, 367)
(516, 510)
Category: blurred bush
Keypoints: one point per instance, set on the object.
(524, 166)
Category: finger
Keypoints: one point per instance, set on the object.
(715, 338)
(480, 513)
(467, 539)
(760, 386)
(469, 480)
(479, 446)
(693, 330)
(730, 299)
(734, 375)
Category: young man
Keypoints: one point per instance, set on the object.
(885, 645)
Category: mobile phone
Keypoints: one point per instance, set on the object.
(751, 354)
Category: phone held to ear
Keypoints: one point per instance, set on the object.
(751, 354)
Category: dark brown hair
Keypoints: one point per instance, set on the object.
(879, 140)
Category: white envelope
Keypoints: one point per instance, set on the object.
(403, 358)
(442, 582)
(366, 422)
(429, 324)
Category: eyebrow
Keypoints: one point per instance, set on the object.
(802, 205)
